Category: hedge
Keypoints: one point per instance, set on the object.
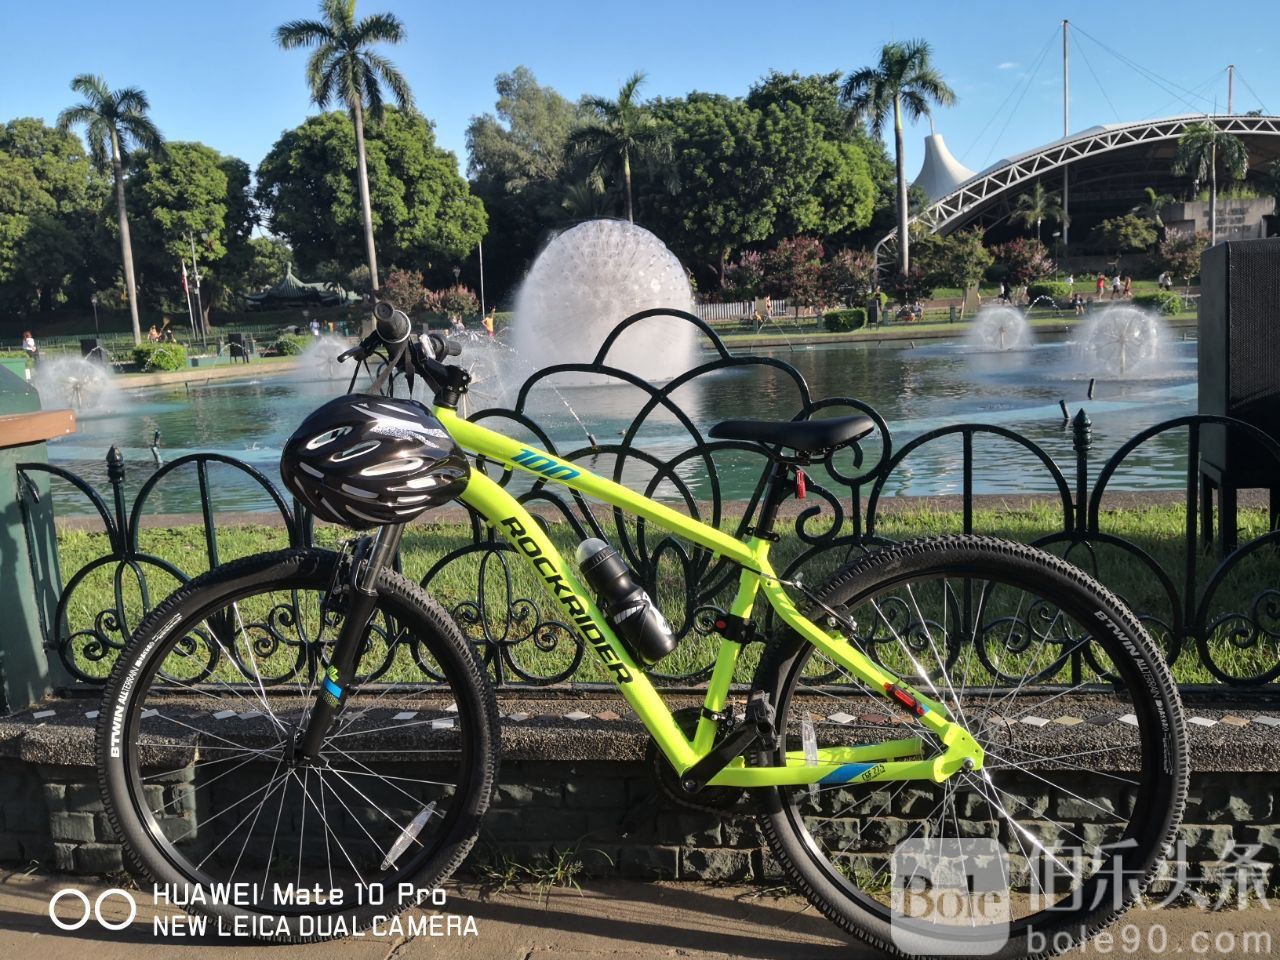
(291, 344)
(843, 321)
(1163, 301)
(160, 356)
(1056, 291)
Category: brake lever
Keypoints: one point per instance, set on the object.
(362, 349)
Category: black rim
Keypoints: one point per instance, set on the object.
(317, 581)
(1151, 791)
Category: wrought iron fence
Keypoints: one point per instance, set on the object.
(1215, 609)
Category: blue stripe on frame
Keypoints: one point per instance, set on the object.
(846, 772)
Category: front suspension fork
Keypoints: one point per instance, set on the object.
(337, 675)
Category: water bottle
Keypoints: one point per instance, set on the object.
(639, 624)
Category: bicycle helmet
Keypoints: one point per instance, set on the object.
(366, 461)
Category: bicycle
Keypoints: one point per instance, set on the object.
(243, 738)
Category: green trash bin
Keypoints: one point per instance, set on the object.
(30, 579)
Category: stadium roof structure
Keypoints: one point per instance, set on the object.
(1107, 167)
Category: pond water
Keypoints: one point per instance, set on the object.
(915, 388)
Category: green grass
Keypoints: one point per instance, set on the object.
(1156, 530)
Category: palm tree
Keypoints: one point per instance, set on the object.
(344, 69)
(585, 199)
(1201, 148)
(618, 131)
(1037, 206)
(1149, 209)
(113, 119)
(904, 81)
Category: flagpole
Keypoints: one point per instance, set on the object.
(191, 316)
(195, 268)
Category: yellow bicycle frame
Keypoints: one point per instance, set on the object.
(889, 760)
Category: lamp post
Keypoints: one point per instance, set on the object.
(480, 247)
(93, 299)
(456, 272)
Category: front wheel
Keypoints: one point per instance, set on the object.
(1085, 770)
(202, 780)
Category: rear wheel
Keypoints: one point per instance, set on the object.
(1085, 770)
(200, 777)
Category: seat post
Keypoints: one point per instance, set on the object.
(776, 492)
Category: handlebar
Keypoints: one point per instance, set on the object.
(422, 356)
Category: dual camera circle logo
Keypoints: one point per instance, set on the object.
(92, 910)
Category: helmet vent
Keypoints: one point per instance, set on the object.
(406, 465)
(358, 450)
(357, 492)
(327, 437)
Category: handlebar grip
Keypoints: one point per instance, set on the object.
(441, 348)
(392, 324)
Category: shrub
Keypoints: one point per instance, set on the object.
(1025, 260)
(160, 356)
(405, 289)
(291, 344)
(1163, 301)
(1052, 289)
(455, 301)
(842, 321)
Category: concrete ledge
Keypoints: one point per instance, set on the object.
(1228, 733)
(574, 781)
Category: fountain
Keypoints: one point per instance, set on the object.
(319, 360)
(78, 383)
(1122, 340)
(588, 280)
(999, 329)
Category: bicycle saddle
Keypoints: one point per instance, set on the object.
(804, 436)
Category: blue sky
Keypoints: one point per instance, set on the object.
(213, 73)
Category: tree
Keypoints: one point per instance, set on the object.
(745, 277)
(1201, 149)
(619, 130)
(1125, 232)
(724, 200)
(585, 199)
(794, 270)
(113, 120)
(1149, 209)
(817, 96)
(405, 289)
(343, 68)
(180, 198)
(265, 261)
(517, 166)
(1180, 254)
(904, 81)
(961, 259)
(525, 141)
(1038, 205)
(1024, 260)
(424, 212)
(850, 275)
(53, 241)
